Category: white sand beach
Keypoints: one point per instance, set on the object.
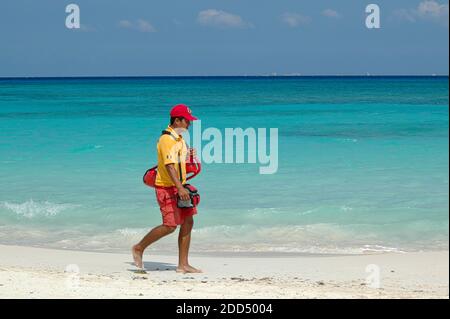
(27, 272)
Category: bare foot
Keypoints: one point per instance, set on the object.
(137, 256)
(188, 269)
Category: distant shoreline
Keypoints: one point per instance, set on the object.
(168, 77)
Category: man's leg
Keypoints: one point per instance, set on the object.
(184, 241)
(155, 234)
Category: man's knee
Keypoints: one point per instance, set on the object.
(170, 229)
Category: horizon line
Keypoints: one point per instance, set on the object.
(223, 76)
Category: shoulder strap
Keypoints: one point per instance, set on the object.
(179, 168)
(165, 132)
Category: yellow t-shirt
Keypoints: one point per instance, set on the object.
(170, 148)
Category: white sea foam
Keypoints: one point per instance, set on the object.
(32, 209)
(307, 212)
(131, 232)
(380, 248)
(314, 239)
(306, 239)
(352, 140)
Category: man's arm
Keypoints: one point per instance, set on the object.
(182, 192)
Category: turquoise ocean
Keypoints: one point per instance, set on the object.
(363, 163)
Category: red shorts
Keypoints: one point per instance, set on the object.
(172, 215)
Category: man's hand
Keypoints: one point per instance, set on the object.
(183, 194)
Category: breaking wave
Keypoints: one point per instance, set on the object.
(31, 209)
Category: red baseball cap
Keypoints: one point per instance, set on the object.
(181, 110)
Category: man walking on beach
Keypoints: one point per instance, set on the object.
(171, 175)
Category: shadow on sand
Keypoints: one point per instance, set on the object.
(153, 266)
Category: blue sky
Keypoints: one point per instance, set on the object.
(223, 37)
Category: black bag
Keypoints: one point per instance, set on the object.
(194, 198)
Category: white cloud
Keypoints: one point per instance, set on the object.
(330, 13)
(145, 26)
(293, 19)
(140, 25)
(221, 19)
(125, 24)
(426, 10)
(406, 15)
(433, 9)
